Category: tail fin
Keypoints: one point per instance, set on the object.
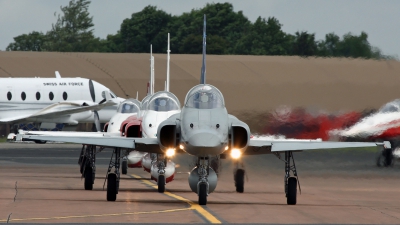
(151, 71)
(203, 67)
(168, 51)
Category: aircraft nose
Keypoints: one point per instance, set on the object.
(204, 140)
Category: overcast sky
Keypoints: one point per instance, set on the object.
(379, 19)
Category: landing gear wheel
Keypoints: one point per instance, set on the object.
(88, 178)
(83, 164)
(161, 183)
(239, 180)
(124, 167)
(112, 187)
(292, 191)
(203, 194)
(40, 142)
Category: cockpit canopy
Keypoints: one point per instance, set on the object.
(163, 102)
(393, 106)
(204, 96)
(129, 106)
(145, 102)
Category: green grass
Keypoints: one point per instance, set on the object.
(3, 139)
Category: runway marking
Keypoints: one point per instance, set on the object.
(99, 215)
(193, 206)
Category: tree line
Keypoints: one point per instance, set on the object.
(228, 32)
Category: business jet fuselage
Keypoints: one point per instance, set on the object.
(45, 99)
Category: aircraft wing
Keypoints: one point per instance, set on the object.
(51, 114)
(257, 147)
(52, 111)
(99, 139)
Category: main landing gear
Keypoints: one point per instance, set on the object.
(238, 175)
(291, 182)
(87, 163)
(113, 178)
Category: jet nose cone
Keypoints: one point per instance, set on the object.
(204, 140)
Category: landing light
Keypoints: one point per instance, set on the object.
(170, 152)
(226, 148)
(181, 147)
(236, 153)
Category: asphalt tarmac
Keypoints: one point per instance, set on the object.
(42, 184)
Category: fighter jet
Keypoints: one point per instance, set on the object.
(382, 125)
(204, 129)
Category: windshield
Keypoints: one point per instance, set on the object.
(204, 97)
(128, 107)
(163, 101)
(103, 94)
(389, 108)
(163, 104)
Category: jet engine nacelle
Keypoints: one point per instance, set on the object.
(168, 133)
(131, 127)
(194, 180)
(239, 133)
(169, 171)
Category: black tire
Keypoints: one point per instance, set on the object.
(239, 180)
(40, 142)
(203, 194)
(112, 187)
(88, 178)
(388, 156)
(124, 167)
(291, 196)
(161, 183)
(83, 164)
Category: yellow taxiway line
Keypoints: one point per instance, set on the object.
(97, 215)
(193, 206)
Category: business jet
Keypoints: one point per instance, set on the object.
(204, 129)
(46, 101)
(382, 125)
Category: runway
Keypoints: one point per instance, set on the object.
(337, 187)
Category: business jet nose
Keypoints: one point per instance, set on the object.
(204, 140)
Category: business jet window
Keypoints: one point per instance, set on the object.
(9, 96)
(23, 96)
(51, 96)
(128, 108)
(205, 99)
(163, 104)
(65, 95)
(37, 96)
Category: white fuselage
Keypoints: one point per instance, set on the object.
(204, 131)
(21, 97)
(152, 119)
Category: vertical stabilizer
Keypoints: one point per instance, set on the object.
(203, 67)
(168, 51)
(58, 74)
(151, 71)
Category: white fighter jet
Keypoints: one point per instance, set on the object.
(382, 125)
(132, 120)
(204, 129)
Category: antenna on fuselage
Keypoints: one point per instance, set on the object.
(151, 71)
(168, 51)
(203, 67)
(137, 95)
(58, 74)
